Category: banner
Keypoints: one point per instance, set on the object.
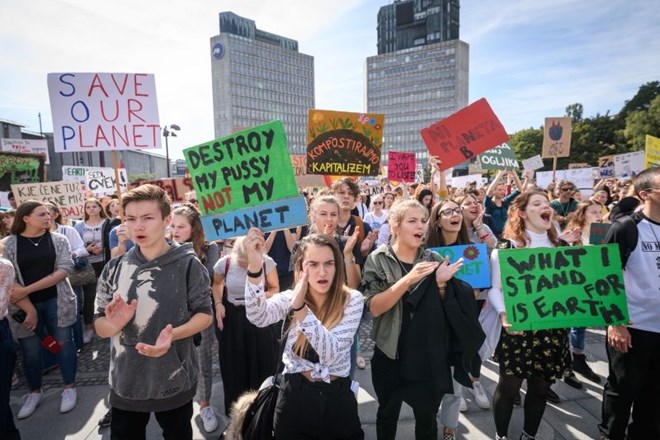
(556, 137)
(464, 181)
(66, 195)
(344, 144)
(97, 180)
(547, 288)
(598, 232)
(20, 168)
(464, 134)
(304, 180)
(628, 165)
(30, 146)
(606, 167)
(244, 180)
(176, 188)
(652, 152)
(582, 178)
(476, 264)
(501, 157)
(533, 163)
(103, 111)
(401, 167)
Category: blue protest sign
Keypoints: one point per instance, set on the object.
(476, 266)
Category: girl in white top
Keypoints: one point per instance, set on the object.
(316, 400)
(377, 216)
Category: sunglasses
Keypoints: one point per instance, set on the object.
(377, 203)
(567, 189)
(449, 212)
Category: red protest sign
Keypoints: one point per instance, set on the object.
(465, 134)
(401, 166)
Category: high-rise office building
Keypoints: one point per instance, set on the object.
(259, 77)
(420, 74)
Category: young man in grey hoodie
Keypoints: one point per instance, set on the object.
(150, 302)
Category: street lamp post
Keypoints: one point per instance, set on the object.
(167, 132)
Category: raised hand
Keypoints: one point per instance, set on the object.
(118, 313)
(447, 271)
(255, 243)
(300, 289)
(571, 236)
(421, 270)
(162, 345)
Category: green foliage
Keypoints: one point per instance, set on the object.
(642, 99)
(140, 176)
(639, 123)
(575, 111)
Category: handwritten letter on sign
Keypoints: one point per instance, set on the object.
(401, 166)
(476, 266)
(66, 195)
(103, 111)
(557, 288)
(556, 137)
(464, 134)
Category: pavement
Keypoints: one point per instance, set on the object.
(574, 418)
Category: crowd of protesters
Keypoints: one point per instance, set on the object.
(164, 295)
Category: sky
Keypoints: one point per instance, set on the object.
(529, 58)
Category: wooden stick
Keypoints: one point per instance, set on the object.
(117, 185)
(554, 167)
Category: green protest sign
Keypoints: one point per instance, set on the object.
(579, 286)
(248, 168)
(501, 157)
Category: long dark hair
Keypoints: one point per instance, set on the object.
(434, 237)
(24, 209)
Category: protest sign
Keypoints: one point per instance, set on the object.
(30, 146)
(556, 137)
(464, 181)
(176, 188)
(401, 166)
(605, 167)
(533, 163)
(501, 157)
(344, 144)
(572, 166)
(628, 165)
(304, 180)
(464, 134)
(66, 195)
(20, 168)
(476, 264)
(582, 178)
(97, 180)
(652, 152)
(598, 232)
(547, 288)
(103, 111)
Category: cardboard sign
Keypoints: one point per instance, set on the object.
(476, 266)
(272, 216)
(401, 167)
(103, 111)
(501, 157)
(558, 287)
(97, 180)
(652, 152)
(572, 166)
(20, 168)
(30, 146)
(304, 180)
(598, 232)
(628, 165)
(344, 144)
(464, 181)
(606, 167)
(66, 195)
(582, 178)
(465, 134)
(556, 137)
(176, 188)
(533, 163)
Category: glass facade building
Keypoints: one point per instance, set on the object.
(259, 77)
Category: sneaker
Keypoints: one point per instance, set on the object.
(209, 419)
(525, 436)
(480, 396)
(449, 436)
(580, 366)
(30, 405)
(106, 421)
(573, 381)
(462, 407)
(551, 396)
(88, 336)
(69, 400)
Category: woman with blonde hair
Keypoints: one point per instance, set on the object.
(316, 400)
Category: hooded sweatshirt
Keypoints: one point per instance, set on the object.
(169, 289)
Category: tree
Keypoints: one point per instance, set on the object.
(639, 123)
(642, 99)
(527, 143)
(575, 112)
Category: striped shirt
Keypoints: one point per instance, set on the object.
(333, 346)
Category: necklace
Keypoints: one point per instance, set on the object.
(403, 269)
(38, 241)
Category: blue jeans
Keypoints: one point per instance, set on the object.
(67, 358)
(577, 338)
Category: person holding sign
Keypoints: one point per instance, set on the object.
(422, 314)
(539, 356)
(316, 398)
(633, 351)
(497, 202)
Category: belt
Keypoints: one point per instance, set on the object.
(308, 375)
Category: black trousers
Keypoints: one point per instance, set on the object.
(8, 349)
(316, 410)
(131, 425)
(392, 390)
(633, 381)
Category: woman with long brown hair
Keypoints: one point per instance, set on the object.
(316, 400)
(539, 356)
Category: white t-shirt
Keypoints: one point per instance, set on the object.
(236, 277)
(374, 220)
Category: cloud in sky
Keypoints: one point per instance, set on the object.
(529, 58)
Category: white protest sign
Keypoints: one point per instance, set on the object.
(66, 195)
(628, 164)
(98, 180)
(32, 146)
(533, 163)
(582, 178)
(463, 181)
(103, 111)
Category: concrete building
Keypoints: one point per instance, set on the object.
(421, 72)
(259, 77)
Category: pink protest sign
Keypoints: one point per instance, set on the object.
(401, 166)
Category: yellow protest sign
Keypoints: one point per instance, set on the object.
(652, 153)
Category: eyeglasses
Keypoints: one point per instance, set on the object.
(651, 189)
(449, 212)
(376, 203)
(567, 189)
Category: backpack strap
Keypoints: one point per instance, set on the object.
(631, 235)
